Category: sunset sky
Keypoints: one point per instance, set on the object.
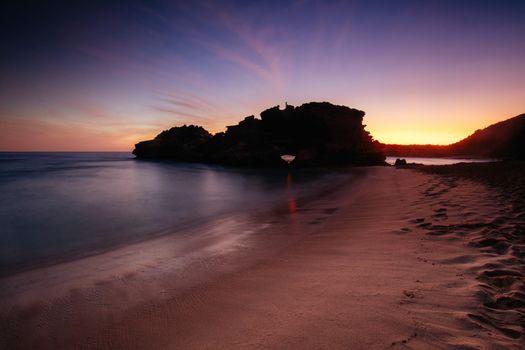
(102, 75)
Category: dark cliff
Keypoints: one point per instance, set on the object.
(503, 140)
(316, 133)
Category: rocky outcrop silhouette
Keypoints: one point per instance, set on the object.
(503, 140)
(400, 162)
(185, 143)
(316, 133)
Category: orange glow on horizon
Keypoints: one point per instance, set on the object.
(439, 126)
(422, 73)
(22, 132)
(416, 137)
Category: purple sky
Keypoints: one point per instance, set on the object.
(104, 75)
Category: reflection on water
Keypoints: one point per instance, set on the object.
(292, 202)
(56, 206)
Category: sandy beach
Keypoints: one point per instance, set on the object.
(398, 258)
(231, 175)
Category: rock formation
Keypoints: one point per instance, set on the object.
(316, 133)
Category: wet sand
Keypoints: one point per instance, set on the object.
(398, 260)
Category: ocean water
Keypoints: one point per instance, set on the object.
(61, 206)
(437, 161)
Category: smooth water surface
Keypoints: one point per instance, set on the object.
(57, 206)
(437, 161)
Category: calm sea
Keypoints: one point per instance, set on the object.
(437, 161)
(59, 206)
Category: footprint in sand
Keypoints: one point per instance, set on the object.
(440, 216)
(417, 221)
(406, 340)
(409, 294)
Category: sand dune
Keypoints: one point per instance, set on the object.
(401, 260)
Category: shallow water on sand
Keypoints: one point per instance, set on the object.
(58, 206)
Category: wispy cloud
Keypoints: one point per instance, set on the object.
(237, 40)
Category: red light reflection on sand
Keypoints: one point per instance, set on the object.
(292, 203)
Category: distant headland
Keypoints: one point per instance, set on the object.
(503, 140)
(313, 134)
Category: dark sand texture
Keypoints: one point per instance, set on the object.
(397, 260)
(500, 237)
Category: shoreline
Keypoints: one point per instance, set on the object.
(190, 242)
(186, 225)
(371, 266)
